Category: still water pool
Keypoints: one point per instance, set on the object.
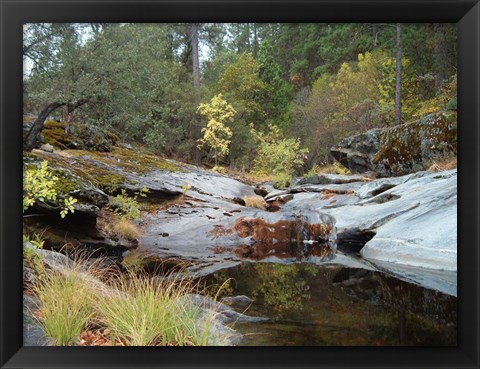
(333, 305)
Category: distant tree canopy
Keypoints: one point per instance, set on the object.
(311, 83)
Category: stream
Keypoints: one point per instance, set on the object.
(332, 305)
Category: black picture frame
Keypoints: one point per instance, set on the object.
(466, 13)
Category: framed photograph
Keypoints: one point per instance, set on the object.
(286, 184)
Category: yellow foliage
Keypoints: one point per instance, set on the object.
(217, 135)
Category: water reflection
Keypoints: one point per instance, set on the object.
(332, 305)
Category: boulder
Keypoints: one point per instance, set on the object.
(46, 147)
(356, 152)
(287, 227)
(79, 136)
(237, 300)
(33, 334)
(401, 149)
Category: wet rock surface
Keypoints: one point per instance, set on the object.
(407, 220)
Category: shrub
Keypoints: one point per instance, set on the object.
(185, 188)
(220, 169)
(278, 156)
(127, 205)
(335, 168)
(30, 256)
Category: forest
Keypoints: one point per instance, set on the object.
(252, 184)
(271, 99)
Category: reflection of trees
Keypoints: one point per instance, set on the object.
(283, 287)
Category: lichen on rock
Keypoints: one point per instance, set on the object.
(401, 149)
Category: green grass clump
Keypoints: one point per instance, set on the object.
(137, 309)
(144, 311)
(66, 307)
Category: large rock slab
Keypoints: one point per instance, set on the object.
(405, 226)
(415, 222)
(126, 169)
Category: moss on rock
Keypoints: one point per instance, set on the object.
(411, 147)
(80, 136)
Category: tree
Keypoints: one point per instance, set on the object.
(58, 77)
(242, 86)
(398, 86)
(196, 79)
(279, 92)
(37, 126)
(217, 135)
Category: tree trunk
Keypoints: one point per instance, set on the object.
(375, 32)
(398, 87)
(70, 108)
(441, 55)
(38, 125)
(196, 85)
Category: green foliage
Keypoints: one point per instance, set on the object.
(68, 206)
(445, 98)
(126, 205)
(278, 156)
(241, 85)
(278, 91)
(39, 184)
(410, 89)
(36, 241)
(339, 168)
(216, 134)
(319, 82)
(360, 96)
